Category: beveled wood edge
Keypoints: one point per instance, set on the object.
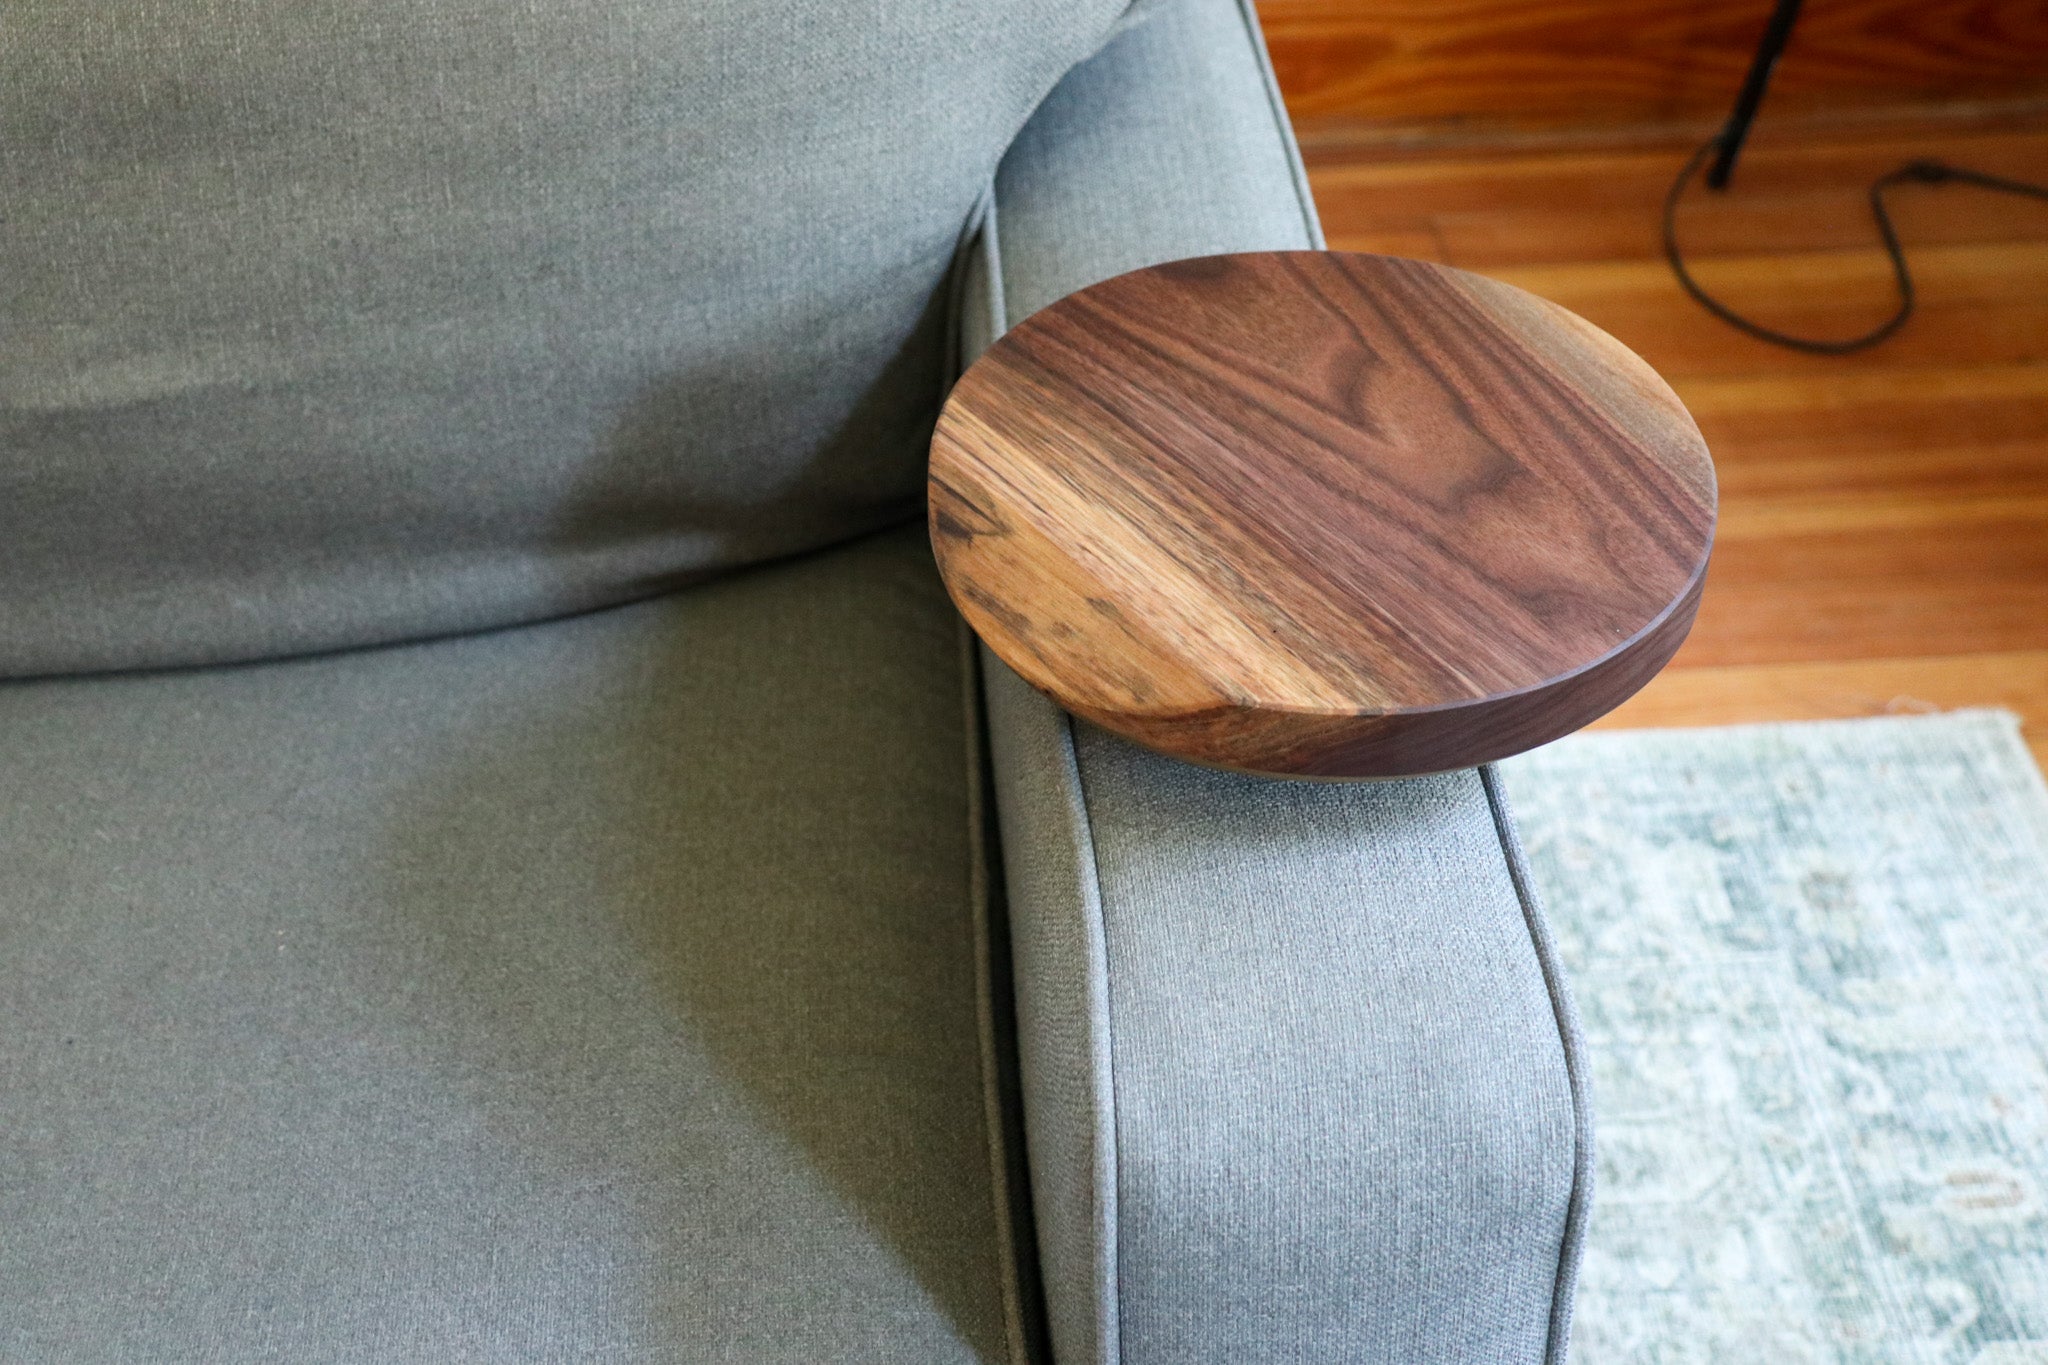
(1375, 754)
(1651, 649)
(1377, 739)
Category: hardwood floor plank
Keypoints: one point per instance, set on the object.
(1518, 63)
(1865, 406)
(1531, 208)
(2017, 681)
(1413, 237)
(1973, 430)
(1882, 512)
(1981, 305)
(1865, 461)
(1776, 623)
(1883, 559)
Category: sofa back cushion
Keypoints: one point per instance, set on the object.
(328, 322)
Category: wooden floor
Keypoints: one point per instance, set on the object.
(1883, 544)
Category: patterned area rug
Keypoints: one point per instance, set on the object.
(1812, 962)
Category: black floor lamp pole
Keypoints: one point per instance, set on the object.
(1776, 34)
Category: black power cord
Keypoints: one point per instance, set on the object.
(1727, 146)
(1913, 172)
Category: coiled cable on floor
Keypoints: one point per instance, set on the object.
(1913, 172)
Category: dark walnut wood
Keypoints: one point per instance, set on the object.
(1321, 513)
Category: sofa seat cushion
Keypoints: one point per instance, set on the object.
(598, 990)
(338, 322)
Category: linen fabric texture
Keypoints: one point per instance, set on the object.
(332, 322)
(602, 990)
(1301, 1077)
(619, 987)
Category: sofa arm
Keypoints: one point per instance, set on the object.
(1300, 1076)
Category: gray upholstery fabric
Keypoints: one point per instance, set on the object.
(607, 989)
(1300, 1079)
(599, 990)
(1294, 1052)
(1167, 143)
(1170, 142)
(1344, 1127)
(326, 322)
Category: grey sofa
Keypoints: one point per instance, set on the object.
(506, 851)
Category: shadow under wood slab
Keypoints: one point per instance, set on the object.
(1322, 513)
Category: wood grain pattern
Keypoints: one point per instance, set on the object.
(1461, 69)
(1883, 542)
(1793, 192)
(1982, 304)
(1319, 513)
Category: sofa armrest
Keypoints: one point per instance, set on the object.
(1300, 1075)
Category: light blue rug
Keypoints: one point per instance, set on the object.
(1812, 962)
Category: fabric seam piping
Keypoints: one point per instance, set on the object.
(1565, 1284)
(1109, 1136)
(1110, 1342)
(979, 871)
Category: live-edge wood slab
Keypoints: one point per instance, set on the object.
(1321, 513)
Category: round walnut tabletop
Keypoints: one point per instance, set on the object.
(1321, 513)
